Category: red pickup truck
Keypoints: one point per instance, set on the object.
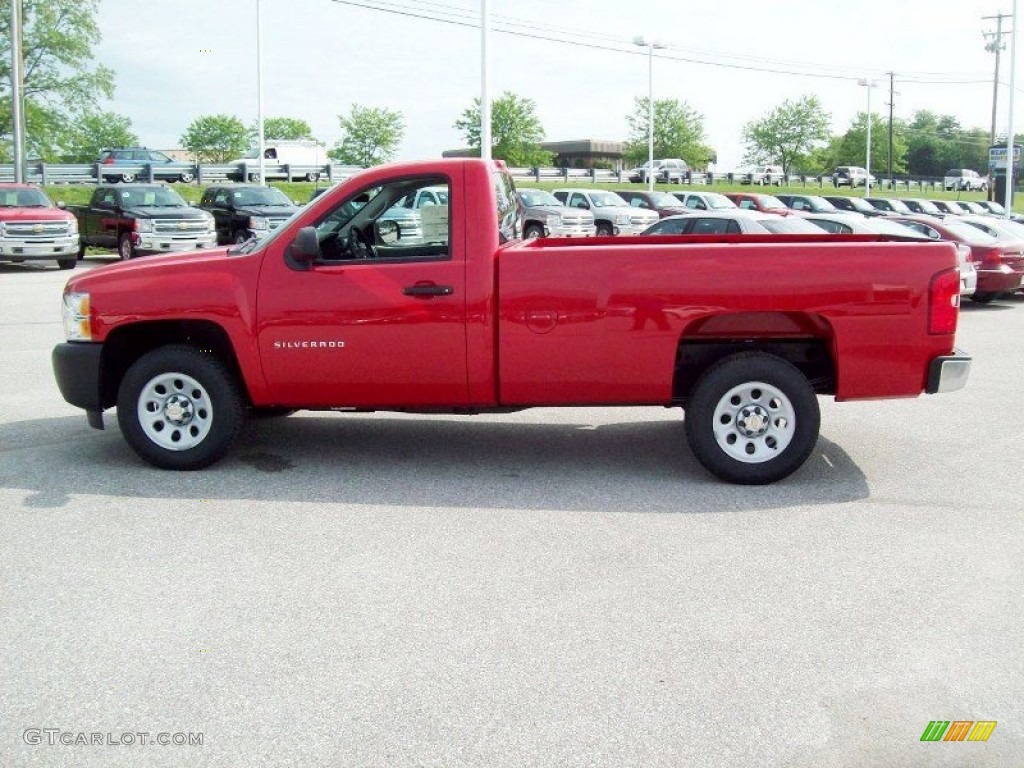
(339, 308)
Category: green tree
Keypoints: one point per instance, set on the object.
(215, 138)
(937, 143)
(678, 132)
(281, 129)
(788, 134)
(850, 147)
(370, 136)
(516, 131)
(95, 131)
(60, 77)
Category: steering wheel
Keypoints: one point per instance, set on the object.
(358, 245)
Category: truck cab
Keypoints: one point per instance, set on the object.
(612, 214)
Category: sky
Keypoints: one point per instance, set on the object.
(175, 61)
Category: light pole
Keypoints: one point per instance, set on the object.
(259, 90)
(869, 84)
(650, 45)
(485, 99)
(1009, 127)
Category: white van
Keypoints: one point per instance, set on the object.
(305, 156)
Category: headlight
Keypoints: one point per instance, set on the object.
(554, 220)
(143, 225)
(622, 218)
(77, 325)
(258, 222)
(73, 227)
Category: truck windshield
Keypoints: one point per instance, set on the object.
(715, 201)
(23, 198)
(260, 196)
(151, 197)
(606, 200)
(538, 197)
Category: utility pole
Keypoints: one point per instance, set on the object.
(995, 45)
(892, 101)
(17, 93)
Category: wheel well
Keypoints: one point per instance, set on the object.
(127, 344)
(811, 356)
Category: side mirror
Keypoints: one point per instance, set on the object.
(388, 232)
(305, 248)
(61, 204)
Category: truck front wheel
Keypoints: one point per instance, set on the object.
(752, 419)
(179, 408)
(125, 249)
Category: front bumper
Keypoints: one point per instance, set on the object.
(572, 231)
(146, 242)
(948, 373)
(77, 367)
(33, 249)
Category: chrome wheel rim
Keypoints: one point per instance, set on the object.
(175, 411)
(754, 422)
(126, 249)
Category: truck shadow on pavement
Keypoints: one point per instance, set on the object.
(642, 466)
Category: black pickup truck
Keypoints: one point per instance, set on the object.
(244, 211)
(138, 219)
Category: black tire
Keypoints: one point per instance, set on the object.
(226, 413)
(238, 237)
(604, 229)
(66, 263)
(533, 231)
(982, 297)
(187, 177)
(81, 249)
(125, 249)
(710, 395)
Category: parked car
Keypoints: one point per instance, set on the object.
(612, 214)
(999, 264)
(244, 211)
(920, 205)
(33, 229)
(974, 207)
(306, 154)
(736, 222)
(995, 209)
(949, 207)
(965, 180)
(662, 203)
(760, 175)
(854, 205)
(749, 201)
(812, 203)
(703, 201)
(889, 204)
(852, 176)
(544, 215)
(138, 219)
(672, 171)
(164, 167)
(850, 223)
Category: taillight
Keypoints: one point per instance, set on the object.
(992, 256)
(944, 302)
(109, 160)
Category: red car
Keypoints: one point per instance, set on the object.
(763, 203)
(999, 263)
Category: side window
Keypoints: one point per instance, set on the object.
(376, 224)
(577, 200)
(694, 203)
(668, 227)
(748, 204)
(712, 227)
(561, 196)
(638, 202)
(221, 197)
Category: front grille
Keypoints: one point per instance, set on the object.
(179, 226)
(37, 229)
(638, 221)
(574, 221)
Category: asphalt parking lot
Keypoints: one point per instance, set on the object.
(554, 587)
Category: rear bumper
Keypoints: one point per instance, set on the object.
(1002, 279)
(948, 373)
(76, 367)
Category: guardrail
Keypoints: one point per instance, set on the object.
(207, 173)
(202, 173)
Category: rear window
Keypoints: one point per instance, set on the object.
(789, 226)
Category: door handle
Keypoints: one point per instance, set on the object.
(428, 290)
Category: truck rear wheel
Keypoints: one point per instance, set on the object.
(752, 419)
(179, 408)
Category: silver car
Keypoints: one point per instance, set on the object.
(737, 222)
(544, 215)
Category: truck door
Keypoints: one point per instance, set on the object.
(102, 219)
(379, 318)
